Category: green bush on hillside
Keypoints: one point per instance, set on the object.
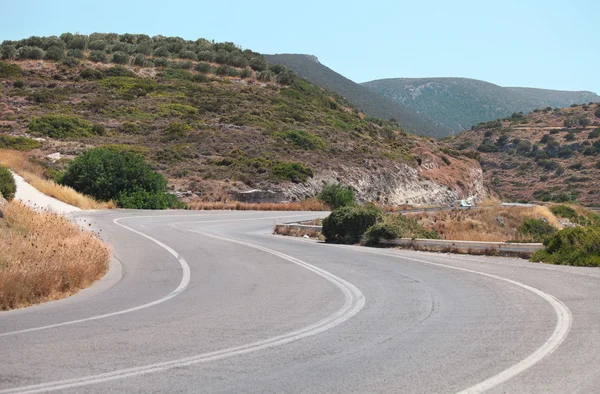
(61, 126)
(292, 171)
(124, 177)
(337, 195)
(564, 211)
(28, 52)
(8, 188)
(8, 52)
(378, 231)
(397, 226)
(578, 246)
(8, 70)
(302, 139)
(348, 224)
(98, 57)
(120, 58)
(597, 112)
(536, 230)
(54, 53)
(18, 143)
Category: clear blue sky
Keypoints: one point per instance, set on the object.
(547, 44)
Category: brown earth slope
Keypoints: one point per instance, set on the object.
(547, 155)
(217, 127)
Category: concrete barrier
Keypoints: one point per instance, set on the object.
(298, 226)
(465, 245)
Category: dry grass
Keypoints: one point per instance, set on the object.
(306, 205)
(482, 224)
(33, 174)
(296, 232)
(45, 257)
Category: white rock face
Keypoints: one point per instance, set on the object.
(401, 184)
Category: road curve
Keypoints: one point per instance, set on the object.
(212, 302)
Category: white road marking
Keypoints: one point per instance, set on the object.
(185, 280)
(354, 302)
(561, 330)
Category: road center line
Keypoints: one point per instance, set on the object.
(354, 302)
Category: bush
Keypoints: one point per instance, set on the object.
(70, 62)
(8, 70)
(90, 73)
(302, 139)
(594, 133)
(337, 195)
(61, 126)
(536, 230)
(55, 53)
(246, 73)
(176, 131)
(348, 224)
(377, 231)
(8, 188)
(27, 52)
(292, 171)
(188, 55)
(204, 68)
(19, 84)
(597, 112)
(578, 246)
(18, 143)
(286, 77)
(76, 53)
(98, 57)
(161, 62)
(139, 60)
(258, 63)
(266, 76)
(564, 212)
(162, 52)
(97, 45)
(77, 42)
(120, 58)
(124, 177)
(8, 52)
(118, 71)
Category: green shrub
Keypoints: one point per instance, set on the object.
(188, 55)
(246, 73)
(98, 57)
(291, 171)
(120, 58)
(266, 76)
(76, 53)
(118, 71)
(28, 52)
(302, 139)
(337, 195)
(70, 62)
(204, 68)
(90, 73)
(578, 246)
(8, 52)
(8, 188)
(222, 70)
(258, 63)
(536, 230)
(161, 62)
(97, 45)
(19, 84)
(594, 133)
(139, 60)
(177, 131)
(285, 77)
(8, 70)
(54, 53)
(348, 224)
(77, 42)
(162, 52)
(207, 56)
(124, 177)
(61, 126)
(564, 212)
(597, 112)
(18, 143)
(130, 128)
(377, 231)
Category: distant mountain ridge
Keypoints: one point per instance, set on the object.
(371, 103)
(459, 103)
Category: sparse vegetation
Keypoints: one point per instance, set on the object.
(45, 257)
(18, 143)
(61, 126)
(572, 246)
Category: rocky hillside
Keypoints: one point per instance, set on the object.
(459, 103)
(366, 100)
(214, 119)
(547, 155)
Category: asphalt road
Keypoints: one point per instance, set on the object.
(212, 302)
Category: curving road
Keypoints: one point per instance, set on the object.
(211, 302)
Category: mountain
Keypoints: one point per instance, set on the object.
(214, 119)
(309, 67)
(547, 155)
(459, 103)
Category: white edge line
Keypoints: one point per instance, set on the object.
(354, 302)
(561, 330)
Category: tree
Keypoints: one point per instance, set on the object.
(125, 177)
(120, 58)
(8, 187)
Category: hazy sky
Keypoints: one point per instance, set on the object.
(547, 44)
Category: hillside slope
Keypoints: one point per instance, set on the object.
(459, 103)
(547, 155)
(214, 119)
(373, 104)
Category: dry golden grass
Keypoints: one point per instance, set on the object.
(307, 205)
(482, 224)
(33, 174)
(296, 232)
(45, 257)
